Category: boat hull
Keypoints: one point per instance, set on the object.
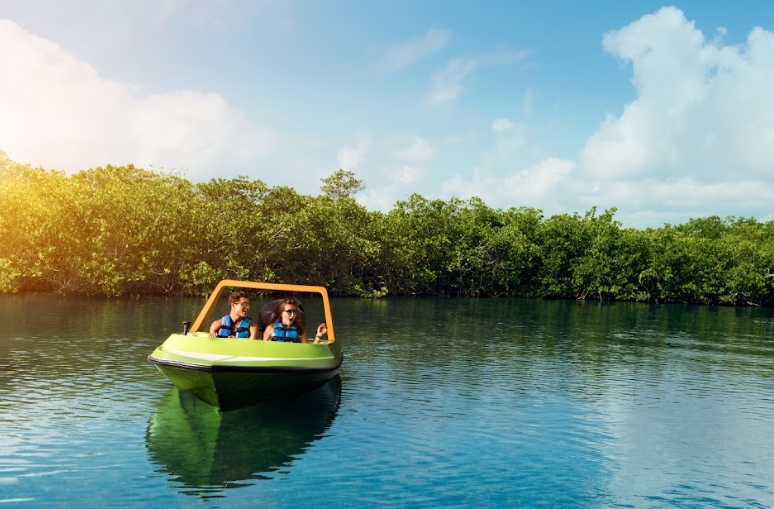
(234, 373)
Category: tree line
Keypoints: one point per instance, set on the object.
(123, 230)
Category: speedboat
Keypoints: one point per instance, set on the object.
(231, 373)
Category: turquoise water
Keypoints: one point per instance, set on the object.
(440, 403)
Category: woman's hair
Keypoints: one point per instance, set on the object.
(236, 296)
(299, 321)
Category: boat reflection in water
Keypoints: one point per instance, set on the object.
(208, 451)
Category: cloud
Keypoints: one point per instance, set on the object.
(409, 52)
(394, 182)
(653, 201)
(420, 151)
(701, 107)
(448, 83)
(510, 170)
(56, 111)
(535, 184)
(512, 146)
(350, 157)
(503, 124)
(406, 175)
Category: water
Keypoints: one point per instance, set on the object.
(440, 403)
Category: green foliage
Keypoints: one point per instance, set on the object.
(419, 237)
(341, 184)
(230, 220)
(495, 252)
(122, 230)
(8, 276)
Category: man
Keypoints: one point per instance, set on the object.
(236, 324)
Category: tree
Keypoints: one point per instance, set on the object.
(561, 244)
(5, 161)
(609, 267)
(341, 184)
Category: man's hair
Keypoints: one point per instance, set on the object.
(237, 296)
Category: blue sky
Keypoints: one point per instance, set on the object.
(664, 111)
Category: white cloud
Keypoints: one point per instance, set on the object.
(350, 157)
(701, 108)
(464, 188)
(376, 199)
(538, 183)
(448, 83)
(391, 183)
(409, 52)
(512, 147)
(684, 194)
(406, 175)
(535, 186)
(419, 151)
(502, 124)
(56, 111)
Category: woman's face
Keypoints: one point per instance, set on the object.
(289, 313)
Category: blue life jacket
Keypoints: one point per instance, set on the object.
(227, 328)
(287, 334)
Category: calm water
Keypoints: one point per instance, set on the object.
(441, 403)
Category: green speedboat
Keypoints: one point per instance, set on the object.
(231, 373)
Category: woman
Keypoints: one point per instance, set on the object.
(287, 324)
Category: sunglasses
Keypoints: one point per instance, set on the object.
(243, 304)
(291, 311)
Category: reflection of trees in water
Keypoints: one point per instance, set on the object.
(209, 451)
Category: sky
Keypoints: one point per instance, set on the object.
(663, 111)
